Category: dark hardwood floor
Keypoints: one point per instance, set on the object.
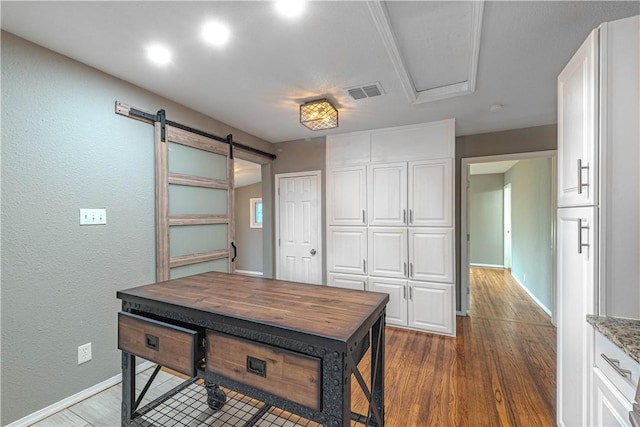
(499, 371)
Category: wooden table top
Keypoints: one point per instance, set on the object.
(324, 311)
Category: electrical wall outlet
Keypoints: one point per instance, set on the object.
(93, 216)
(84, 353)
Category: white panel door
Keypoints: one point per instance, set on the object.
(388, 194)
(578, 127)
(388, 252)
(347, 250)
(576, 263)
(431, 193)
(431, 254)
(397, 305)
(298, 229)
(347, 196)
(431, 307)
(347, 281)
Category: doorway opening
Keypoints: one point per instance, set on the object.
(249, 218)
(508, 222)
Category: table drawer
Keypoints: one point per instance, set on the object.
(167, 345)
(283, 373)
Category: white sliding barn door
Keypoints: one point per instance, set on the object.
(298, 228)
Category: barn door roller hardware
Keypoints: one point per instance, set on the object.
(128, 111)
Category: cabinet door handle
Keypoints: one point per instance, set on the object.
(410, 269)
(411, 293)
(363, 217)
(580, 169)
(615, 364)
(405, 269)
(364, 265)
(411, 216)
(580, 229)
(404, 292)
(404, 216)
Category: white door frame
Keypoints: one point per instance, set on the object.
(278, 177)
(464, 216)
(506, 233)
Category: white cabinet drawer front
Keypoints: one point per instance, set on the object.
(388, 252)
(347, 250)
(396, 312)
(347, 281)
(431, 254)
(626, 383)
(431, 193)
(427, 141)
(431, 307)
(610, 408)
(346, 194)
(388, 194)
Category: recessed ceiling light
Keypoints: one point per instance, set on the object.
(216, 33)
(159, 54)
(290, 8)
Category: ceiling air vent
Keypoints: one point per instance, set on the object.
(368, 90)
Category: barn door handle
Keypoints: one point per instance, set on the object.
(235, 251)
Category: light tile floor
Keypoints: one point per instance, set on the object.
(103, 409)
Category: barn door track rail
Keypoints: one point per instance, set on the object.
(160, 117)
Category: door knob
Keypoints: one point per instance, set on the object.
(313, 251)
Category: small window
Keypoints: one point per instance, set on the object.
(256, 213)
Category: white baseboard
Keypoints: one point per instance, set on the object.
(473, 264)
(535, 299)
(249, 273)
(72, 400)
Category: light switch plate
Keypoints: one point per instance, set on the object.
(93, 216)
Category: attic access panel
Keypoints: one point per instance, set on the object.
(437, 43)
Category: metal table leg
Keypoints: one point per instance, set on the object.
(128, 387)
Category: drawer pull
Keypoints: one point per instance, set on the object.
(152, 342)
(615, 364)
(256, 366)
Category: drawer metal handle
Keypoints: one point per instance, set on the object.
(615, 364)
(152, 342)
(580, 169)
(580, 229)
(256, 366)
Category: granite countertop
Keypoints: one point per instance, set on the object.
(625, 333)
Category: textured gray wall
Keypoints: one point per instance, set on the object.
(486, 219)
(531, 233)
(248, 240)
(64, 148)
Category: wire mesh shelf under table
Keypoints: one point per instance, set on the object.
(187, 406)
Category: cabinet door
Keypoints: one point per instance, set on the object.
(397, 305)
(347, 281)
(388, 252)
(575, 268)
(347, 250)
(346, 196)
(431, 193)
(609, 407)
(578, 127)
(431, 307)
(431, 254)
(388, 194)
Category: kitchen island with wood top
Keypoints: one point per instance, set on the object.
(290, 345)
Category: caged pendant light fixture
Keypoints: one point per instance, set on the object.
(319, 114)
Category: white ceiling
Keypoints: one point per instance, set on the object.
(273, 64)
(491, 167)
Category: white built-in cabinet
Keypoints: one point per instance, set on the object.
(390, 220)
(598, 218)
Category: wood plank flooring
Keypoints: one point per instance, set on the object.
(499, 371)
